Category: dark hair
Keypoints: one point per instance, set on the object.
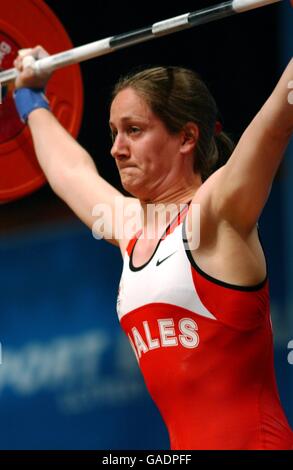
(177, 96)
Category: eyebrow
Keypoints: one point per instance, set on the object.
(129, 118)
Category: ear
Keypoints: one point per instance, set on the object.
(190, 135)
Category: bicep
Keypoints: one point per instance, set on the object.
(95, 201)
(245, 181)
(247, 177)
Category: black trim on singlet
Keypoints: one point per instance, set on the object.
(213, 279)
(138, 268)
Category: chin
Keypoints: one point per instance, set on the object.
(135, 189)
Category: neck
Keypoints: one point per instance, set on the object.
(158, 213)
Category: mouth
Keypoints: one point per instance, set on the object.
(125, 167)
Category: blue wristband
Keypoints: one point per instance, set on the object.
(28, 99)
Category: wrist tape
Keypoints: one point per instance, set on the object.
(28, 99)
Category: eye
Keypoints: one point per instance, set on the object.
(133, 130)
(113, 135)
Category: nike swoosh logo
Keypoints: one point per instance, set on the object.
(160, 261)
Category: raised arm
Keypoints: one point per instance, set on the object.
(69, 169)
(242, 186)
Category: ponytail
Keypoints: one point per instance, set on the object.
(221, 149)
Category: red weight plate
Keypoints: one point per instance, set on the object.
(25, 23)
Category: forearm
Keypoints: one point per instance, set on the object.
(277, 112)
(57, 152)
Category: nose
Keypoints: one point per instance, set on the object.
(120, 147)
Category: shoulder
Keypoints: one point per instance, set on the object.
(129, 222)
(203, 208)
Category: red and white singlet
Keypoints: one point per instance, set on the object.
(205, 350)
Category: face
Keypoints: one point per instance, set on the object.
(144, 150)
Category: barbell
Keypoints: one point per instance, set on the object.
(34, 24)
